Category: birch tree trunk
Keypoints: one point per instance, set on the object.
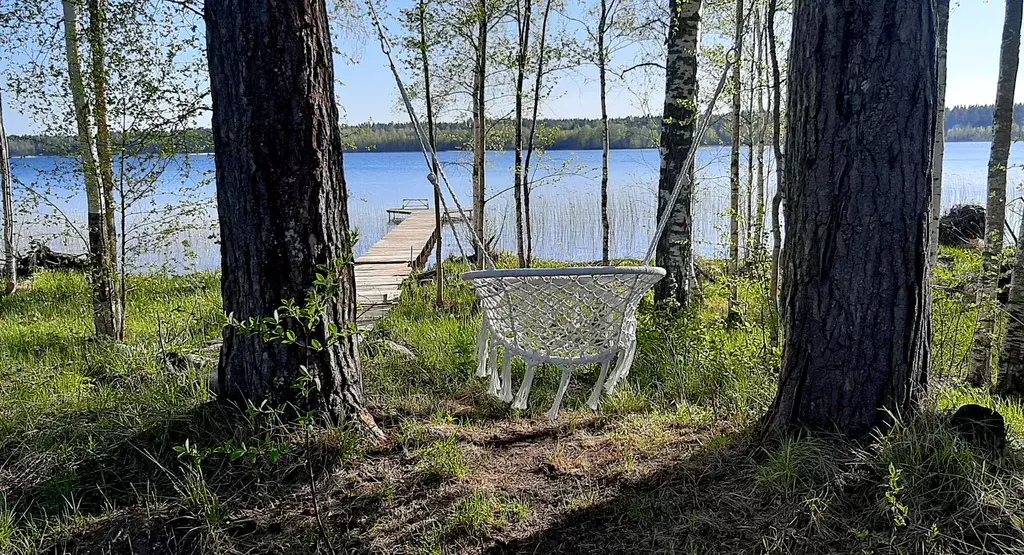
(747, 220)
(675, 248)
(104, 160)
(602, 70)
(734, 169)
(531, 142)
(939, 146)
(282, 198)
(524, 15)
(10, 267)
(777, 199)
(102, 274)
(862, 105)
(1011, 359)
(480, 134)
(761, 130)
(431, 132)
(980, 373)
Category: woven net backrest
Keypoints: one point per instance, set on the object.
(563, 318)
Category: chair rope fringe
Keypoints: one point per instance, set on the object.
(566, 318)
(498, 367)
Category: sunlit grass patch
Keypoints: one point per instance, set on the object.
(482, 513)
(443, 459)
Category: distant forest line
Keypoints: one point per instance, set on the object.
(963, 124)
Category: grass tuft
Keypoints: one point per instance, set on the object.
(443, 460)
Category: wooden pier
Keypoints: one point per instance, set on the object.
(392, 260)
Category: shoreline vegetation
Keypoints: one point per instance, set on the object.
(129, 433)
(963, 124)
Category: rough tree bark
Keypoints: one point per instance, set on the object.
(282, 200)
(9, 277)
(104, 160)
(939, 145)
(602, 70)
(862, 96)
(106, 314)
(675, 248)
(734, 168)
(980, 372)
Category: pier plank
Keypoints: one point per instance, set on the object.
(382, 270)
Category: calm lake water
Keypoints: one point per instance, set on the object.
(566, 212)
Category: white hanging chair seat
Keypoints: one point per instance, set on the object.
(566, 317)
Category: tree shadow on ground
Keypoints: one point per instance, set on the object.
(704, 502)
(792, 496)
(140, 494)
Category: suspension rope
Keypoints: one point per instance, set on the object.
(429, 155)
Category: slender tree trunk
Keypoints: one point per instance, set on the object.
(980, 373)
(861, 117)
(777, 199)
(431, 132)
(524, 15)
(531, 142)
(734, 169)
(939, 146)
(761, 126)
(480, 138)
(282, 199)
(102, 274)
(105, 160)
(748, 227)
(675, 248)
(10, 267)
(602, 69)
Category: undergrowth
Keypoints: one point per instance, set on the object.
(104, 442)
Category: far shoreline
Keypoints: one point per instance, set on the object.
(416, 151)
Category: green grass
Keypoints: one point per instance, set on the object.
(92, 433)
(483, 513)
(443, 460)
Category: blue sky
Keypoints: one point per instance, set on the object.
(368, 91)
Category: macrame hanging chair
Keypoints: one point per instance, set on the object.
(566, 317)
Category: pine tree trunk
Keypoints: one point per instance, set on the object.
(734, 169)
(862, 97)
(602, 70)
(10, 267)
(102, 273)
(675, 248)
(105, 160)
(939, 146)
(480, 136)
(282, 199)
(980, 373)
